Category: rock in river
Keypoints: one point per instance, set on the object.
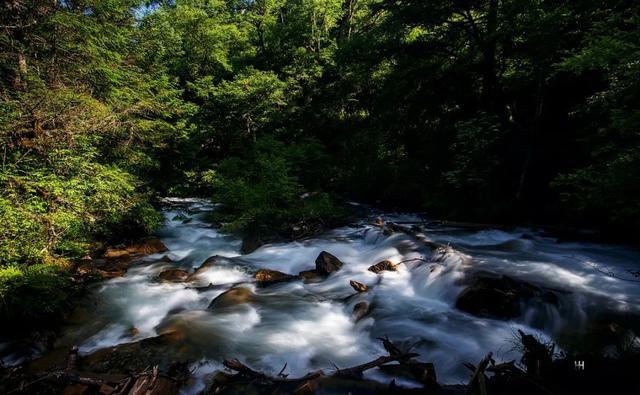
(360, 310)
(501, 297)
(232, 297)
(174, 275)
(326, 263)
(206, 265)
(148, 245)
(359, 287)
(385, 265)
(268, 277)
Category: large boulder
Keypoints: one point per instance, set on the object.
(174, 275)
(327, 263)
(501, 297)
(232, 297)
(268, 277)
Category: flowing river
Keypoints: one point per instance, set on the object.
(310, 326)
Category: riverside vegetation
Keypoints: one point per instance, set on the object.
(502, 111)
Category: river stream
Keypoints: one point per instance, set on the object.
(310, 326)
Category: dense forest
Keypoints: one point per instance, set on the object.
(502, 111)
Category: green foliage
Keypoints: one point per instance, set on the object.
(607, 193)
(260, 193)
(491, 110)
(34, 295)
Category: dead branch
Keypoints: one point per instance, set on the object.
(357, 371)
(478, 375)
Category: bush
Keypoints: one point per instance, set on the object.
(31, 296)
(261, 192)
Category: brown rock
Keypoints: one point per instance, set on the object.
(208, 263)
(359, 287)
(311, 276)
(76, 389)
(327, 263)
(174, 275)
(133, 331)
(116, 253)
(149, 245)
(501, 297)
(268, 277)
(360, 310)
(385, 265)
(232, 297)
(108, 268)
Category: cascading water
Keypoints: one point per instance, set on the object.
(310, 326)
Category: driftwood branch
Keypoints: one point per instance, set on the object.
(356, 371)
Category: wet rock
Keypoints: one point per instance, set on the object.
(174, 275)
(107, 268)
(77, 389)
(385, 265)
(133, 331)
(501, 297)
(206, 265)
(359, 287)
(360, 310)
(311, 276)
(250, 243)
(149, 245)
(163, 350)
(116, 253)
(232, 297)
(268, 277)
(327, 263)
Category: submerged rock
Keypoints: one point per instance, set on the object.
(174, 275)
(268, 277)
(206, 265)
(501, 297)
(359, 287)
(327, 263)
(232, 297)
(360, 310)
(311, 276)
(385, 265)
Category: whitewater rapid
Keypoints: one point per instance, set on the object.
(310, 326)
